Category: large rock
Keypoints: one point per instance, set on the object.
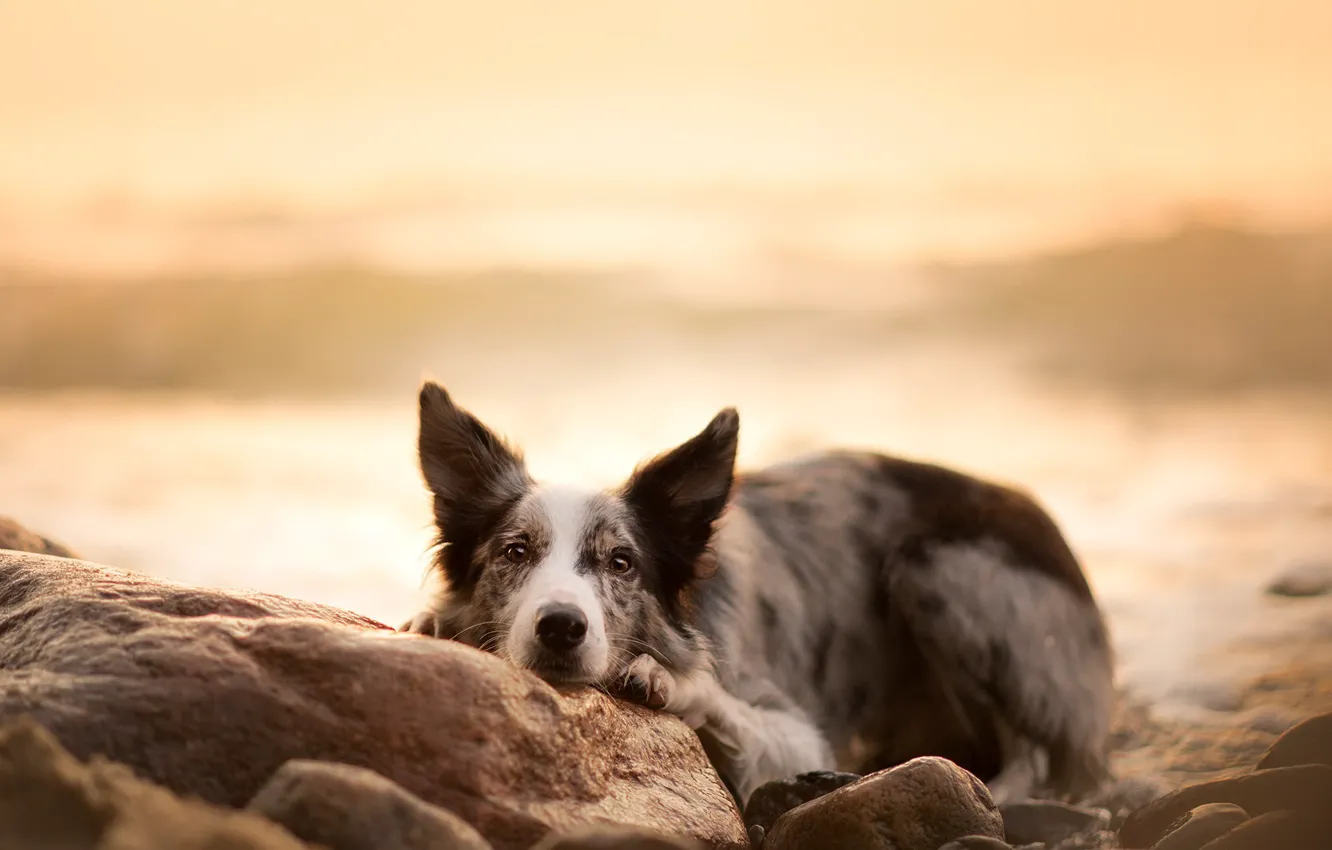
(209, 693)
(49, 801)
(16, 537)
(1279, 830)
(1201, 826)
(918, 805)
(1305, 788)
(341, 807)
(1307, 742)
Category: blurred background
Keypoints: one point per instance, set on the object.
(1085, 248)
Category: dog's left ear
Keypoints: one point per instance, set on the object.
(679, 495)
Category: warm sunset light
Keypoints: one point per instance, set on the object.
(984, 349)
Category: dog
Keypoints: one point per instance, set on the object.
(848, 610)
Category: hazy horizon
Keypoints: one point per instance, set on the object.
(452, 134)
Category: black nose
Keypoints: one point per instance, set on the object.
(560, 628)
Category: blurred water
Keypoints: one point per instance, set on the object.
(1181, 514)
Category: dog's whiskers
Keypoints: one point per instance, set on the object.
(478, 626)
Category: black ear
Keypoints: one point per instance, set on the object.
(474, 476)
(678, 496)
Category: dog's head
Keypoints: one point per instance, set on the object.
(570, 583)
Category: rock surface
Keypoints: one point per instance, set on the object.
(617, 838)
(1308, 742)
(1049, 821)
(1202, 825)
(1280, 830)
(49, 800)
(919, 805)
(208, 693)
(16, 537)
(976, 842)
(771, 800)
(341, 807)
(1304, 788)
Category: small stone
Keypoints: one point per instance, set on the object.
(919, 805)
(613, 838)
(1307, 742)
(771, 800)
(1303, 580)
(976, 842)
(1201, 825)
(351, 808)
(1049, 821)
(756, 836)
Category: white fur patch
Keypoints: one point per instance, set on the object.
(554, 580)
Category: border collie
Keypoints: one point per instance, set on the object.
(848, 610)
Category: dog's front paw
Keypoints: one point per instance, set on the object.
(424, 623)
(649, 683)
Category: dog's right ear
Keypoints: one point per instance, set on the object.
(471, 473)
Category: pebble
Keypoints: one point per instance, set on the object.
(1313, 578)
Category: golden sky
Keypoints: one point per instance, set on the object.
(206, 99)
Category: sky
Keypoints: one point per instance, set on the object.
(319, 101)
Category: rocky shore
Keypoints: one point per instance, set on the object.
(138, 714)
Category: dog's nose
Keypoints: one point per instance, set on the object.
(560, 628)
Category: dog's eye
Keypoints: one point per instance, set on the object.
(620, 563)
(515, 553)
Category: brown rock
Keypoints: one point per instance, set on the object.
(1281, 830)
(1049, 821)
(1202, 825)
(16, 537)
(208, 693)
(976, 842)
(50, 800)
(617, 838)
(1303, 787)
(350, 808)
(1308, 742)
(918, 805)
(773, 799)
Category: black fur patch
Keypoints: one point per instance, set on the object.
(823, 647)
(677, 498)
(475, 478)
(950, 507)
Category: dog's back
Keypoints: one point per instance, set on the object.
(908, 609)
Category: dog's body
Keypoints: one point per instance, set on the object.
(847, 610)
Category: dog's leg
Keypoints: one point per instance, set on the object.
(1025, 767)
(1023, 645)
(424, 623)
(750, 744)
